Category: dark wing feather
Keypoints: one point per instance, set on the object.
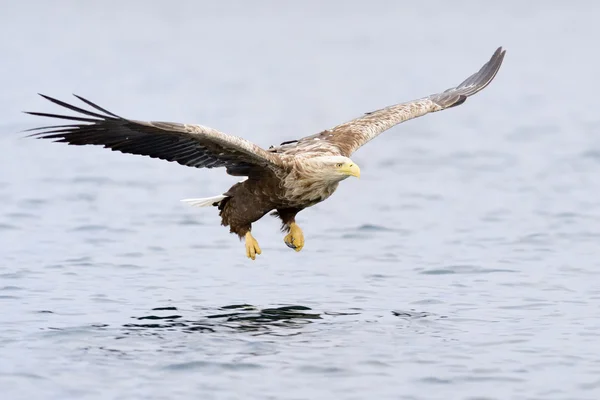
(349, 136)
(190, 145)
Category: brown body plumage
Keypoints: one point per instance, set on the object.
(284, 179)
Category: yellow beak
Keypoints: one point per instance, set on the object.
(352, 170)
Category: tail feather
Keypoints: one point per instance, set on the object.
(205, 202)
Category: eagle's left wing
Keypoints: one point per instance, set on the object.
(349, 136)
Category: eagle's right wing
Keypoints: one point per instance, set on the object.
(190, 145)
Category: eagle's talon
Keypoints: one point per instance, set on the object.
(294, 239)
(252, 247)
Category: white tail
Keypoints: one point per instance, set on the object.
(206, 202)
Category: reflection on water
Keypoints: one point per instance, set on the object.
(412, 314)
(279, 321)
(289, 320)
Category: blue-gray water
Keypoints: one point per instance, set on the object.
(464, 264)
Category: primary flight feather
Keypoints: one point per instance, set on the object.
(285, 179)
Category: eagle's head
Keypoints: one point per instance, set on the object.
(334, 168)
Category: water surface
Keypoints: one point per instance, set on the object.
(463, 264)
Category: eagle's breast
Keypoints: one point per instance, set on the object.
(300, 188)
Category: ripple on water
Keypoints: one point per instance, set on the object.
(21, 215)
(369, 230)
(374, 228)
(33, 202)
(100, 228)
(189, 221)
(427, 301)
(133, 254)
(14, 275)
(96, 180)
(212, 366)
(23, 375)
(463, 269)
(129, 266)
(11, 288)
(533, 305)
(8, 227)
(10, 292)
(323, 369)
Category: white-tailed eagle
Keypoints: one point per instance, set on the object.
(284, 179)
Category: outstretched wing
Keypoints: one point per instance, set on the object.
(190, 145)
(349, 136)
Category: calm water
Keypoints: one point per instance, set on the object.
(464, 264)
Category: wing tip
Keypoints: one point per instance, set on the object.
(486, 74)
(473, 84)
(498, 56)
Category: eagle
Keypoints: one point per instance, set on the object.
(281, 180)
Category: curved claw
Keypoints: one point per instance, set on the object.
(295, 239)
(252, 247)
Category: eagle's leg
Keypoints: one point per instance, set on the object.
(252, 248)
(239, 218)
(295, 238)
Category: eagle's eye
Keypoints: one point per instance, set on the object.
(339, 165)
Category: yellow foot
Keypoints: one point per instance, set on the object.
(295, 239)
(252, 248)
